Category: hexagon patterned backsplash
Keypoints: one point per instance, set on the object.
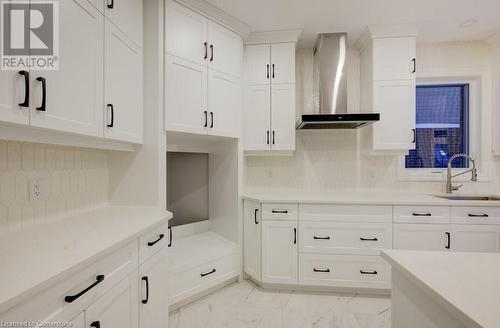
(70, 179)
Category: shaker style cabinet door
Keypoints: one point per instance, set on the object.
(475, 238)
(257, 117)
(394, 58)
(252, 239)
(127, 16)
(283, 117)
(258, 64)
(14, 97)
(70, 99)
(123, 87)
(283, 63)
(425, 237)
(225, 50)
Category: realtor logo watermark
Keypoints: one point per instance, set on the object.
(29, 35)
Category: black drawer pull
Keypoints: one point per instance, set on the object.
(111, 5)
(279, 211)
(152, 243)
(448, 240)
(206, 119)
(321, 270)
(368, 272)
(171, 237)
(255, 216)
(368, 239)
(146, 279)
(421, 214)
(112, 110)
(267, 71)
(478, 215)
(71, 299)
(44, 94)
(321, 238)
(96, 324)
(26, 102)
(208, 273)
(294, 236)
(206, 51)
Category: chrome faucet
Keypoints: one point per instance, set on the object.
(449, 186)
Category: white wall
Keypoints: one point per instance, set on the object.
(333, 160)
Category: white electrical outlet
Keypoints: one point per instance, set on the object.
(35, 189)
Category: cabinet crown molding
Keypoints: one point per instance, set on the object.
(386, 31)
(281, 36)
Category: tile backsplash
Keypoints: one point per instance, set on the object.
(71, 179)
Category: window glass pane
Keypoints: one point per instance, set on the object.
(442, 126)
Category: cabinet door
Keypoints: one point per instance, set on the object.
(185, 33)
(252, 239)
(118, 308)
(283, 63)
(395, 101)
(475, 238)
(127, 16)
(74, 92)
(279, 252)
(186, 103)
(12, 93)
(123, 87)
(283, 117)
(224, 104)
(225, 50)
(394, 58)
(154, 292)
(257, 118)
(258, 64)
(428, 237)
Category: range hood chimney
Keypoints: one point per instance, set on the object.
(330, 88)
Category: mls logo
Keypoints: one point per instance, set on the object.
(29, 35)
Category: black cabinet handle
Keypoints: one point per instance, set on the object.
(368, 239)
(478, 215)
(267, 70)
(96, 324)
(44, 93)
(273, 71)
(321, 270)
(72, 298)
(206, 118)
(273, 137)
(414, 135)
(295, 235)
(414, 61)
(255, 216)
(208, 273)
(211, 119)
(279, 211)
(111, 4)
(211, 52)
(421, 214)
(321, 238)
(146, 280)
(448, 242)
(152, 243)
(112, 109)
(26, 102)
(171, 237)
(267, 137)
(368, 272)
(206, 50)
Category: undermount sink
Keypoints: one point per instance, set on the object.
(462, 197)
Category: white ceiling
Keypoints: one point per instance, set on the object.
(439, 20)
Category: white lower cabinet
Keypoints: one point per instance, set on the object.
(425, 237)
(117, 308)
(475, 238)
(252, 239)
(279, 252)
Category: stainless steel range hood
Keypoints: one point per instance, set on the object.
(330, 88)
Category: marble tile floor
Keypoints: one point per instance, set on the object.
(242, 305)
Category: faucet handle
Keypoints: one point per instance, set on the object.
(455, 188)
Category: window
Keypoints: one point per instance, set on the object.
(442, 128)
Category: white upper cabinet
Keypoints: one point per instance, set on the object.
(283, 63)
(123, 87)
(225, 50)
(70, 99)
(203, 68)
(258, 64)
(127, 16)
(257, 119)
(283, 117)
(394, 58)
(14, 97)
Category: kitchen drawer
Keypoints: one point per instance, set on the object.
(190, 282)
(475, 215)
(50, 304)
(345, 213)
(355, 271)
(151, 242)
(344, 237)
(279, 211)
(422, 214)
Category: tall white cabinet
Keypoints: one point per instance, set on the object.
(388, 85)
(269, 113)
(203, 68)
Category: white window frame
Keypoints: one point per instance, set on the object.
(478, 115)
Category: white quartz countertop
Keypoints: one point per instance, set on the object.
(34, 258)
(358, 197)
(467, 284)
